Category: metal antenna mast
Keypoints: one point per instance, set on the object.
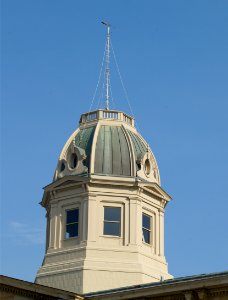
(107, 59)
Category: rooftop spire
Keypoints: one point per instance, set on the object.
(107, 59)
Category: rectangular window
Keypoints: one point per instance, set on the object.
(146, 229)
(72, 220)
(112, 224)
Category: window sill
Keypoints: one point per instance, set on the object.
(146, 244)
(71, 238)
(111, 236)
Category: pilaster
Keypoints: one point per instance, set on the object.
(84, 221)
(53, 224)
(92, 218)
(135, 227)
(161, 232)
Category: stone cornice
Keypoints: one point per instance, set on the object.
(88, 184)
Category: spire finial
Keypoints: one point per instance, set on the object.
(107, 59)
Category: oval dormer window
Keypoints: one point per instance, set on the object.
(62, 167)
(147, 167)
(73, 161)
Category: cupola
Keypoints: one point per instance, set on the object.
(105, 207)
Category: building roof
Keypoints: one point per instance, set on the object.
(13, 286)
(203, 286)
(212, 284)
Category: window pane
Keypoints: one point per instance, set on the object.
(146, 221)
(111, 228)
(71, 230)
(112, 213)
(146, 236)
(72, 216)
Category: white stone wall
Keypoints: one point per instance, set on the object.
(93, 261)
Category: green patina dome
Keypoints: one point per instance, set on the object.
(107, 143)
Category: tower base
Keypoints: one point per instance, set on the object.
(95, 272)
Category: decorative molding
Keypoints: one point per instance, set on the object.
(20, 292)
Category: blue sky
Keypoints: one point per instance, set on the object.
(173, 57)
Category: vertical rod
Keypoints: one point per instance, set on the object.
(107, 66)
